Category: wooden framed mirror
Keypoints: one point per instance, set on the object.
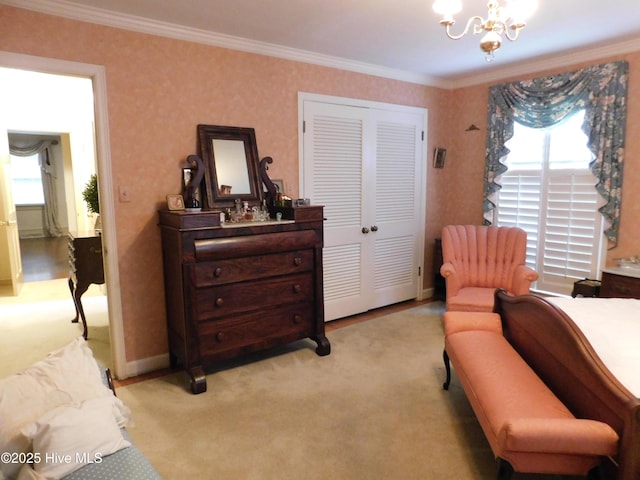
(230, 156)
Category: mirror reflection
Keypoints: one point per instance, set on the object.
(231, 167)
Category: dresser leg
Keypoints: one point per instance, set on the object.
(198, 380)
(324, 347)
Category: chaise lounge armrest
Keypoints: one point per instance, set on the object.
(523, 277)
(570, 436)
(454, 282)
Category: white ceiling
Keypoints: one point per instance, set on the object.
(395, 38)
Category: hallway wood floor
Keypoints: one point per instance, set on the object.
(44, 258)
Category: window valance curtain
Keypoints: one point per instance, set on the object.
(601, 90)
(42, 148)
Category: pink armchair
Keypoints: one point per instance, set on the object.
(477, 260)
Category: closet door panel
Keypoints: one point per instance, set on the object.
(398, 171)
(333, 178)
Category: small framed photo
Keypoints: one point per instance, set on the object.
(175, 202)
(439, 156)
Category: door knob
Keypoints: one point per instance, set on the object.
(365, 230)
(374, 228)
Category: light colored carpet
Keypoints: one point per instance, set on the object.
(373, 409)
(39, 321)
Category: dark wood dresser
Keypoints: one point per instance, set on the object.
(239, 288)
(85, 267)
(620, 282)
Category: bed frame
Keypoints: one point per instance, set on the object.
(552, 344)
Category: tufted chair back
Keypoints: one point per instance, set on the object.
(479, 259)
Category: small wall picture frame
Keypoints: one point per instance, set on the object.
(175, 202)
(439, 156)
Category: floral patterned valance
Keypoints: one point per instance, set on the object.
(601, 90)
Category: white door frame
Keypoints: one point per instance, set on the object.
(315, 97)
(107, 209)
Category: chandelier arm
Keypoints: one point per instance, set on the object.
(466, 29)
(514, 36)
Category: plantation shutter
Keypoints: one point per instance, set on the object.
(571, 228)
(549, 192)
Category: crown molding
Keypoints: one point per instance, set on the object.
(549, 62)
(68, 9)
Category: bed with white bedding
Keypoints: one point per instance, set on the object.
(587, 351)
(60, 420)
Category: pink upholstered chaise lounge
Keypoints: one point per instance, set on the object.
(528, 428)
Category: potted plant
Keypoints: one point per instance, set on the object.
(90, 196)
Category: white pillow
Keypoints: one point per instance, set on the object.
(69, 437)
(28, 473)
(67, 375)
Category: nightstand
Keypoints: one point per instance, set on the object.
(620, 282)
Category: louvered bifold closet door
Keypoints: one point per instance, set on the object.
(396, 221)
(333, 152)
(364, 166)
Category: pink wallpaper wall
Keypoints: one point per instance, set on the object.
(159, 90)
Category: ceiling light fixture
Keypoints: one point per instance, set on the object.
(507, 20)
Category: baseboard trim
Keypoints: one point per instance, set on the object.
(427, 293)
(146, 365)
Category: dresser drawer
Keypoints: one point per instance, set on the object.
(239, 269)
(253, 245)
(216, 302)
(256, 331)
(619, 286)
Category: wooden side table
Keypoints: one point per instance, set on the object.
(85, 267)
(620, 282)
(586, 288)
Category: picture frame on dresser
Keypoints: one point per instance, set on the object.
(175, 202)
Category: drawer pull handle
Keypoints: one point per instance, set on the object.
(297, 261)
(297, 288)
(220, 337)
(219, 302)
(297, 319)
(217, 272)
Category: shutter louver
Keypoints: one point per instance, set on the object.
(395, 172)
(341, 272)
(337, 169)
(394, 265)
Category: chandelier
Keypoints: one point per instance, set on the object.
(507, 20)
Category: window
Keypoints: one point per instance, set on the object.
(549, 192)
(26, 180)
